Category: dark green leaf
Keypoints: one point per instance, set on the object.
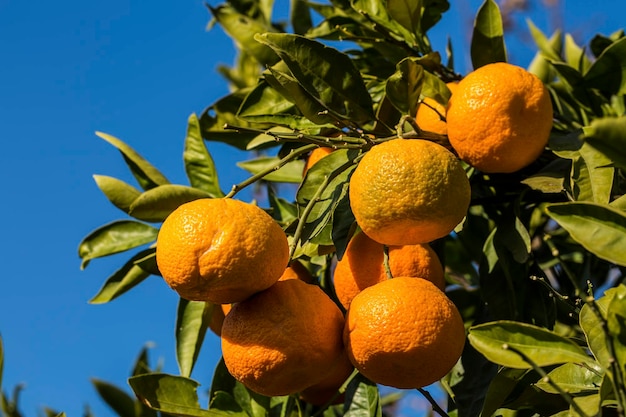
(199, 164)
(343, 226)
(362, 398)
(283, 211)
(377, 11)
(502, 386)
(600, 42)
(290, 172)
(300, 16)
(608, 72)
(115, 237)
(325, 73)
(404, 87)
(170, 394)
(550, 179)
(406, 12)
(146, 174)
(156, 204)
(122, 403)
(488, 36)
(142, 363)
(222, 381)
(127, 277)
(598, 228)
(495, 340)
(242, 29)
(118, 192)
(432, 11)
(192, 321)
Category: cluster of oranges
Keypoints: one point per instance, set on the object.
(281, 333)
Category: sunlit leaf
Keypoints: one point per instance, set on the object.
(170, 394)
(406, 12)
(591, 322)
(496, 340)
(616, 323)
(572, 378)
(192, 321)
(156, 204)
(145, 173)
(115, 237)
(122, 403)
(601, 173)
(199, 164)
(124, 279)
(242, 29)
(608, 135)
(377, 12)
(119, 193)
(540, 66)
(488, 36)
(600, 229)
(290, 172)
(325, 73)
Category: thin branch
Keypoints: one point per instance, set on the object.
(433, 403)
(386, 262)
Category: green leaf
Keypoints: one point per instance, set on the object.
(119, 193)
(122, 403)
(283, 211)
(575, 55)
(171, 394)
(616, 321)
(124, 279)
(199, 164)
(608, 72)
(598, 228)
(324, 185)
(593, 326)
(156, 204)
(377, 11)
(362, 398)
(495, 340)
(573, 378)
(502, 386)
(608, 136)
(142, 363)
(549, 48)
(115, 237)
(488, 37)
(404, 87)
(300, 16)
(192, 321)
(290, 172)
(432, 11)
(325, 73)
(406, 12)
(146, 175)
(600, 171)
(242, 29)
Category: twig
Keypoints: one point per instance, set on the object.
(386, 262)
(568, 398)
(433, 403)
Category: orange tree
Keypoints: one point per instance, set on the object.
(535, 268)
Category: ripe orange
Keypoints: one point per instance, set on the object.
(404, 333)
(315, 156)
(405, 192)
(429, 114)
(284, 339)
(220, 250)
(499, 118)
(323, 392)
(362, 266)
(295, 271)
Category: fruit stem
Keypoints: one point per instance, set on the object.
(386, 262)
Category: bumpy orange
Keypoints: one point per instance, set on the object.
(220, 250)
(284, 339)
(362, 266)
(405, 192)
(404, 333)
(294, 271)
(499, 118)
(429, 114)
(326, 391)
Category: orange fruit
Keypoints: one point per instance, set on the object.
(404, 333)
(315, 156)
(429, 114)
(362, 266)
(220, 250)
(405, 192)
(499, 118)
(326, 391)
(295, 271)
(284, 339)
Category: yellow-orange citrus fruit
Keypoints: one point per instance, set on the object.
(499, 118)
(362, 266)
(295, 271)
(220, 250)
(315, 156)
(405, 192)
(327, 390)
(284, 339)
(429, 114)
(404, 333)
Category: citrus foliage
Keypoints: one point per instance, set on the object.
(535, 268)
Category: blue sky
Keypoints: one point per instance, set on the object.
(136, 70)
